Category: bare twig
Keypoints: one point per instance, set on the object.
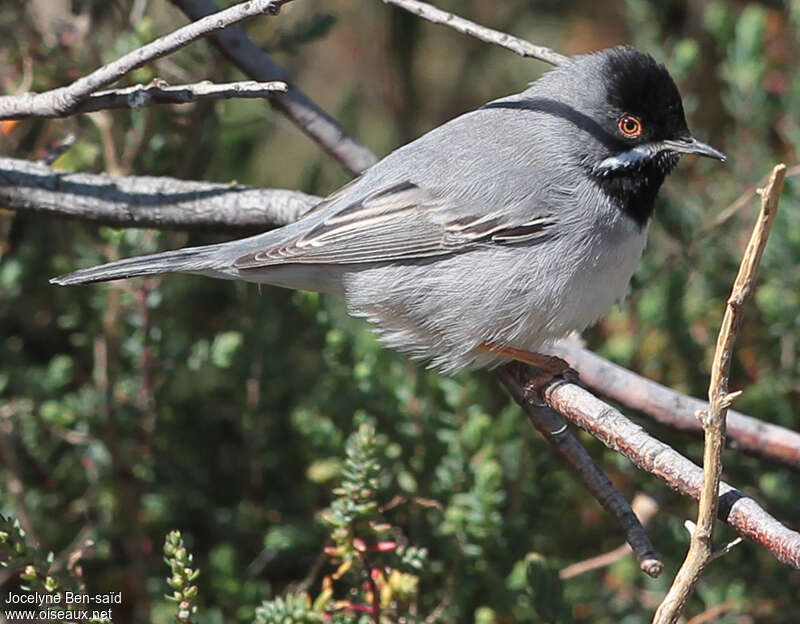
(76, 550)
(573, 453)
(723, 550)
(687, 251)
(64, 100)
(701, 547)
(712, 614)
(645, 508)
(145, 201)
(159, 92)
(439, 610)
(309, 579)
(58, 149)
(740, 202)
(489, 35)
(617, 432)
(70, 436)
(243, 52)
(676, 410)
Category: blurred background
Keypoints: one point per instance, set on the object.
(134, 408)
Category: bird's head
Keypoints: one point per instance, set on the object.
(617, 116)
(639, 109)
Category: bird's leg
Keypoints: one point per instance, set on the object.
(549, 363)
(550, 366)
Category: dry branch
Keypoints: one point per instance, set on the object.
(645, 508)
(676, 410)
(515, 44)
(65, 100)
(701, 547)
(159, 92)
(245, 54)
(146, 201)
(620, 434)
(567, 446)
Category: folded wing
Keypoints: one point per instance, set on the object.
(402, 222)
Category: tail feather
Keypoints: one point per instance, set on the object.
(178, 261)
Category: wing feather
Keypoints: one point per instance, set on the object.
(399, 222)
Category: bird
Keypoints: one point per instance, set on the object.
(491, 236)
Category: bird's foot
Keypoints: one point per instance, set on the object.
(535, 386)
(548, 368)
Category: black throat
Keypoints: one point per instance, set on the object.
(634, 191)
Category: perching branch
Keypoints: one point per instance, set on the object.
(489, 35)
(620, 434)
(65, 100)
(245, 54)
(146, 201)
(567, 446)
(701, 547)
(159, 92)
(676, 410)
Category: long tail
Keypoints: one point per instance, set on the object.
(185, 260)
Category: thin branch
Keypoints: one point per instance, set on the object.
(712, 614)
(248, 56)
(701, 547)
(61, 147)
(77, 549)
(721, 551)
(159, 92)
(676, 410)
(573, 453)
(64, 100)
(645, 508)
(718, 221)
(145, 201)
(740, 202)
(489, 35)
(620, 434)
(439, 610)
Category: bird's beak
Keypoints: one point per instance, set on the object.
(691, 145)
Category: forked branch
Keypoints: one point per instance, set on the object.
(567, 446)
(701, 547)
(620, 434)
(159, 92)
(65, 100)
(248, 56)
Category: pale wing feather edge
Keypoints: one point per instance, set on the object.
(400, 222)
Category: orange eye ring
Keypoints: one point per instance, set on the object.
(630, 126)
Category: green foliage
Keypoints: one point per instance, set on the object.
(542, 588)
(233, 412)
(291, 609)
(355, 508)
(183, 575)
(16, 554)
(368, 551)
(35, 569)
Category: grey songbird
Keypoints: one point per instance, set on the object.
(490, 236)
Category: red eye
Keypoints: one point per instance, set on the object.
(630, 126)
